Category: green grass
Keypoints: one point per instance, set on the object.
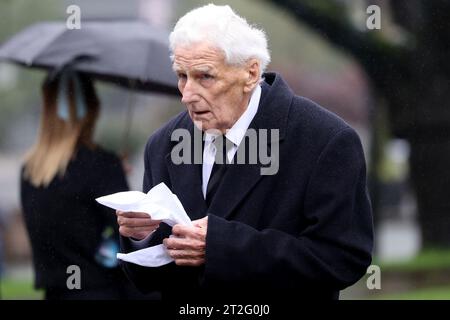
(427, 260)
(436, 293)
(19, 289)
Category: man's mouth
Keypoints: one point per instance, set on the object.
(199, 113)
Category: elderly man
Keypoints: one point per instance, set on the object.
(306, 227)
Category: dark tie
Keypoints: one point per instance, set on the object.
(223, 145)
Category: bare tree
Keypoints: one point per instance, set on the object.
(409, 67)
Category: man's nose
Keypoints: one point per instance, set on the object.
(188, 92)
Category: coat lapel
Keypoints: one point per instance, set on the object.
(237, 182)
(186, 179)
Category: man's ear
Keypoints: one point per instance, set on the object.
(253, 75)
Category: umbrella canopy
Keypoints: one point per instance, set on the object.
(129, 53)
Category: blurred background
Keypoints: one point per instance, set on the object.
(391, 84)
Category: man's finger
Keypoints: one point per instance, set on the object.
(186, 254)
(182, 231)
(140, 229)
(184, 244)
(130, 214)
(137, 222)
(138, 233)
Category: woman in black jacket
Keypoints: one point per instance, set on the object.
(74, 240)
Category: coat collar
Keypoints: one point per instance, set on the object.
(186, 179)
(274, 105)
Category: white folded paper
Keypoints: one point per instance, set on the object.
(160, 204)
(149, 257)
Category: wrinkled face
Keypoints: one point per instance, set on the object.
(214, 93)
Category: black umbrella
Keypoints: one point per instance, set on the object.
(129, 53)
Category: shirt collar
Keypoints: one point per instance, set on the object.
(239, 129)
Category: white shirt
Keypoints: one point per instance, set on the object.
(235, 135)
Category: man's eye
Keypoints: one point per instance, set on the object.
(181, 76)
(207, 76)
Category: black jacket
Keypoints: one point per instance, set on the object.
(306, 230)
(65, 224)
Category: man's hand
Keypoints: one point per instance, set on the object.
(188, 244)
(137, 225)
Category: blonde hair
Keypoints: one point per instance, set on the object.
(58, 139)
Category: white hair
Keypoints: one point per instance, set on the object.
(221, 27)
